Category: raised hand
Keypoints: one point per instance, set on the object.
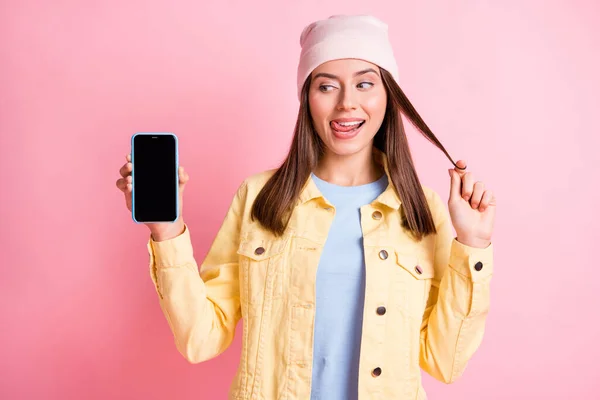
(472, 208)
(160, 231)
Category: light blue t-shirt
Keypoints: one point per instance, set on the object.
(340, 293)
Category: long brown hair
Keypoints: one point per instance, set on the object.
(275, 202)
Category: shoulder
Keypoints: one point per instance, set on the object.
(253, 184)
(431, 194)
(436, 204)
(258, 180)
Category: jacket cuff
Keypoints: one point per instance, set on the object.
(176, 252)
(472, 262)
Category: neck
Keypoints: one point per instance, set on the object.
(349, 170)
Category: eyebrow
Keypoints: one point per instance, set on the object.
(331, 76)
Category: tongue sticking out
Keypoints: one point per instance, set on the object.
(342, 128)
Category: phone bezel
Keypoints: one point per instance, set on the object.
(133, 176)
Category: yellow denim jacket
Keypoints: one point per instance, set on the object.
(436, 295)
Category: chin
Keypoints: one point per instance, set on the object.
(347, 149)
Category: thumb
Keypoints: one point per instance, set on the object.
(455, 183)
(183, 178)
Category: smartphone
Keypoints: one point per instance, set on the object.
(155, 176)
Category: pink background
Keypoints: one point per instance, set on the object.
(512, 87)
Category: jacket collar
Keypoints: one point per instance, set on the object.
(388, 198)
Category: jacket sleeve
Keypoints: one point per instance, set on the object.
(202, 306)
(454, 321)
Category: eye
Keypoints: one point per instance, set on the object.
(324, 88)
(360, 85)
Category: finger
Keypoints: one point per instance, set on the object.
(467, 185)
(486, 200)
(478, 190)
(121, 184)
(183, 176)
(454, 185)
(126, 170)
(128, 157)
(461, 164)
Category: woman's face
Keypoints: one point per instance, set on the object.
(347, 103)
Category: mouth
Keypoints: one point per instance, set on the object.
(346, 127)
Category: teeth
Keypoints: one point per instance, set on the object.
(350, 123)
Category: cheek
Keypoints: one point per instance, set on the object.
(320, 110)
(375, 107)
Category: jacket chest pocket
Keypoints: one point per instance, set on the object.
(411, 280)
(262, 268)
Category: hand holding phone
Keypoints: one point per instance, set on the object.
(153, 184)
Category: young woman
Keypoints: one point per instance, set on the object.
(343, 267)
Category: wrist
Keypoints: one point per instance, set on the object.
(171, 231)
(474, 242)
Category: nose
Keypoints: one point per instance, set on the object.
(347, 100)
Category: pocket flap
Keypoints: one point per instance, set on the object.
(260, 247)
(418, 266)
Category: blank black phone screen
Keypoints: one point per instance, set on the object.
(155, 178)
